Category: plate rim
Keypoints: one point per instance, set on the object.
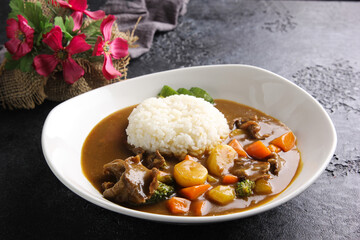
(192, 219)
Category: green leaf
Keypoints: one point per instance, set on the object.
(91, 40)
(16, 5)
(58, 21)
(8, 56)
(69, 24)
(67, 36)
(194, 91)
(93, 29)
(201, 93)
(17, 8)
(11, 64)
(167, 91)
(46, 27)
(26, 63)
(33, 13)
(184, 91)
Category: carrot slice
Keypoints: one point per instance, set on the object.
(285, 141)
(257, 150)
(177, 205)
(188, 157)
(235, 144)
(194, 192)
(274, 148)
(200, 208)
(229, 179)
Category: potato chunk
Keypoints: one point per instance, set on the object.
(221, 159)
(190, 173)
(262, 187)
(221, 194)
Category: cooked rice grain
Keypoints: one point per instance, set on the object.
(177, 125)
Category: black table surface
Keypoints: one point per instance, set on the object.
(314, 44)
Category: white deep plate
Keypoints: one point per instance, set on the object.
(68, 124)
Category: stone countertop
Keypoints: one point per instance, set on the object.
(314, 44)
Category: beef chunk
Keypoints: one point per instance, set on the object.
(150, 160)
(251, 125)
(136, 150)
(276, 163)
(237, 122)
(245, 168)
(106, 185)
(135, 183)
(115, 168)
(155, 160)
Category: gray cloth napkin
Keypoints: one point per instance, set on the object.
(157, 15)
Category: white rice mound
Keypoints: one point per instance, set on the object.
(176, 125)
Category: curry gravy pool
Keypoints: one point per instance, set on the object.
(108, 141)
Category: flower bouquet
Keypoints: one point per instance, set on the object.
(56, 52)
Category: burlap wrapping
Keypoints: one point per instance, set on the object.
(21, 90)
(26, 90)
(56, 89)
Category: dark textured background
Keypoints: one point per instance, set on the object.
(314, 44)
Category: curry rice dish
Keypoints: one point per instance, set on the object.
(181, 155)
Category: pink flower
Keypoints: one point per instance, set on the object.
(21, 37)
(45, 64)
(118, 48)
(79, 7)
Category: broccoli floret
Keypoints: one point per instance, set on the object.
(244, 188)
(165, 178)
(163, 192)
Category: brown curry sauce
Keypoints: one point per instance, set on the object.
(107, 141)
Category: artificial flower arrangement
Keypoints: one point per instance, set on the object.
(56, 52)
